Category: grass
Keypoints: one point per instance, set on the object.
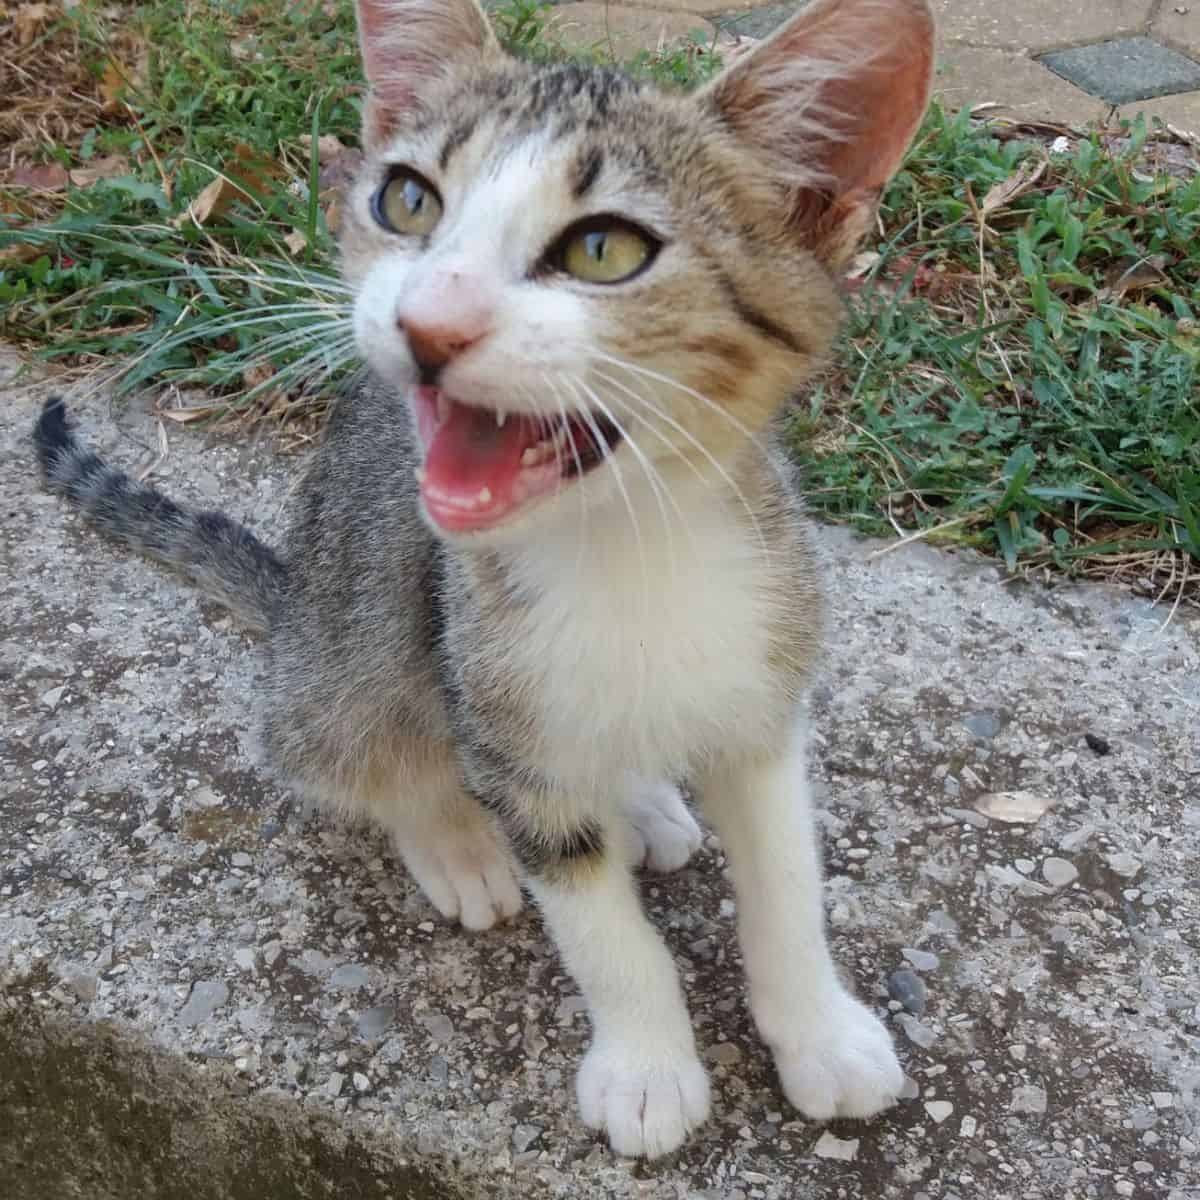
(1019, 372)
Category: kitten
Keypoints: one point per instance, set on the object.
(550, 552)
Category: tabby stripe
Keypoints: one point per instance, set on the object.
(759, 320)
(458, 136)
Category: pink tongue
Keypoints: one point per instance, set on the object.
(469, 453)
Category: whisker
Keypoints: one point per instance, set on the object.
(657, 412)
(618, 475)
(652, 476)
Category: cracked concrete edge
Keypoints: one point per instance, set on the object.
(90, 1109)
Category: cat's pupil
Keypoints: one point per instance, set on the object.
(597, 244)
(414, 196)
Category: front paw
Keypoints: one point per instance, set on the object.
(647, 1099)
(663, 833)
(840, 1064)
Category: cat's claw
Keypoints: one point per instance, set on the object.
(841, 1064)
(646, 1100)
(664, 834)
(466, 875)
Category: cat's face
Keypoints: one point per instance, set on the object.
(582, 287)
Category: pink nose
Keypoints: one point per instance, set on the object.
(434, 345)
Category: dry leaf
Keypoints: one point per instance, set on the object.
(29, 20)
(333, 216)
(1020, 181)
(340, 170)
(49, 177)
(112, 87)
(257, 374)
(295, 242)
(861, 264)
(185, 416)
(1136, 274)
(108, 167)
(328, 146)
(247, 170)
(21, 252)
(1013, 807)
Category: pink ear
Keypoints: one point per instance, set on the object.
(409, 44)
(832, 100)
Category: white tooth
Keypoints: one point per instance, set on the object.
(420, 474)
(485, 496)
(501, 417)
(443, 407)
(530, 457)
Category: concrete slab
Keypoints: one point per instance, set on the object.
(1136, 68)
(1183, 112)
(1037, 25)
(973, 75)
(623, 30)
(1178, 25)
(154, 883)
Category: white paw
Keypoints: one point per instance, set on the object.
(647, 1101)
(466, 874)
(841, 1064)
(664, 834)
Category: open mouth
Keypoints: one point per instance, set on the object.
(482, 465)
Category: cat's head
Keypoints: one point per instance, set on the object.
(583, 286)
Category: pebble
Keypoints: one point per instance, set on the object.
(829, 1146)
(909, 1090)
(524, 1136)
(51, 698)
(439, 1025)
(1124, 865)
(242, 859)
(921, 960)
(968, 1127)
(909, 989)
(918, 1034)
(207, 995)
(333, 1085)
(375, 1020)
(1058, 872)
(245, 958)
(1163, 1099)
(938, 1110)
(361, 1082)
(983, 724)
(1029, 1098)
(726, 1054)
(349, 976)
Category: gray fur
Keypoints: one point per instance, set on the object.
(224, 559)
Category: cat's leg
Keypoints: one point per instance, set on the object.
(641, 1080)
(663, 834)
(452, 848)
(835, 1058)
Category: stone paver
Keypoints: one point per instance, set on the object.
(1126, 69)
(988, 51)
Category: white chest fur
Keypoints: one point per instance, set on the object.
(648, 657)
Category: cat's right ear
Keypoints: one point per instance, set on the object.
(408, 45)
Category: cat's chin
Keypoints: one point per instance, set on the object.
(483, 469)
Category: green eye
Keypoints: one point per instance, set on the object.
(408, 204)
(607, 253)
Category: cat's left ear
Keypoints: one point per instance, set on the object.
(408, 45)
(831, 101)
